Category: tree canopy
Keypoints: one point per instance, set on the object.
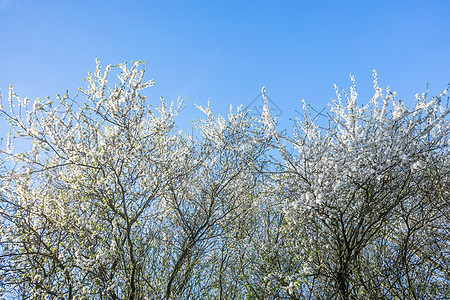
(111, 202)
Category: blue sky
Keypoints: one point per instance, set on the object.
(227, 50)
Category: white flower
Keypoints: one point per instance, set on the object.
(399, 111)
(319, 198)
(417, 165)
(36, 106)
(308, 196)
(290, 288)
(32, 131)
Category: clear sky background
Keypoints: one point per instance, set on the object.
(227, 50)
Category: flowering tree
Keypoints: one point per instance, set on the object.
(75, 202)
(110, 202)
(366, 202)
